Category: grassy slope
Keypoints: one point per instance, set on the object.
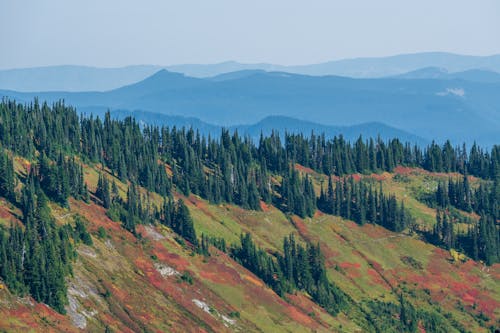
(116, 283)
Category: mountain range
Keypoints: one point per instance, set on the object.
(83, 78)
(107, 225)
(475, 75)
(266, 126)
(107, 228)
(433, 109)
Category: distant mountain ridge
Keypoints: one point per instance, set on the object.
(369, 67)
(83, 78)
(265, 126)
(475, 75)
(433, 109)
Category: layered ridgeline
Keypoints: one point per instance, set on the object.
(434, 108)
(145, 177)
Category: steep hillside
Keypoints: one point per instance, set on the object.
(373, 265)
(105, 226)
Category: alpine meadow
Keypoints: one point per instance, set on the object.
(182, 167)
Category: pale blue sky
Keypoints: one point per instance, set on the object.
(111, 33)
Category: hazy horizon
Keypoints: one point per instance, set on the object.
(247, 63)
(122, 33)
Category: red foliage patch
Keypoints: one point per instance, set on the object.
(329, 254)
(265, 207)
(4, 212)
(97, 216)
(379, 177)
(375, 232)
(376, 278)
(376, 266)
(346, 264)
(219, 273)
(440, 278)
(171, 259)
(253, 280)
(401, 170)
(299, 316)
(356, 177)
(352, 225)
(351, 269)
(39, 318)
(318, 213)
(303, 169)
(300, 225)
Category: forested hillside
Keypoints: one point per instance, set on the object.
(71, 185)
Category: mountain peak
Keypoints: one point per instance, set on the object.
(161, 80)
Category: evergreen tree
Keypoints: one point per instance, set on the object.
(7, 176)
(102, 191)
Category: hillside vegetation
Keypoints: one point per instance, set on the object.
(109, 226)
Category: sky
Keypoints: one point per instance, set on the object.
(114, 33)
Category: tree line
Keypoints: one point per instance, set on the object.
(37, 257)
(459, 194)
(481, 241)
(230, 168)
(298, 268)
(358, 201)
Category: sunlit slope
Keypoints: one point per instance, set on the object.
(154, 283)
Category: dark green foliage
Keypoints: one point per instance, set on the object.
(176, 216)
(218, 242)
(459, 194)
(131, 218)
(101, 233)
(61, 179)
(481, 242)
(358, 201)
(81, 233)
(186, 277)
(488, 240)
(116, 212)
(297, 195)
(230, 169)
(102, 191)
(207, 241)
(204, 246)
(261, 264)
(36, 259)
(339, 157)
(443, 231)
(7, 176)
(404, 317)
(234, 314)
(299, 268)
(238, 170)
(304, 268)
(121, 146)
